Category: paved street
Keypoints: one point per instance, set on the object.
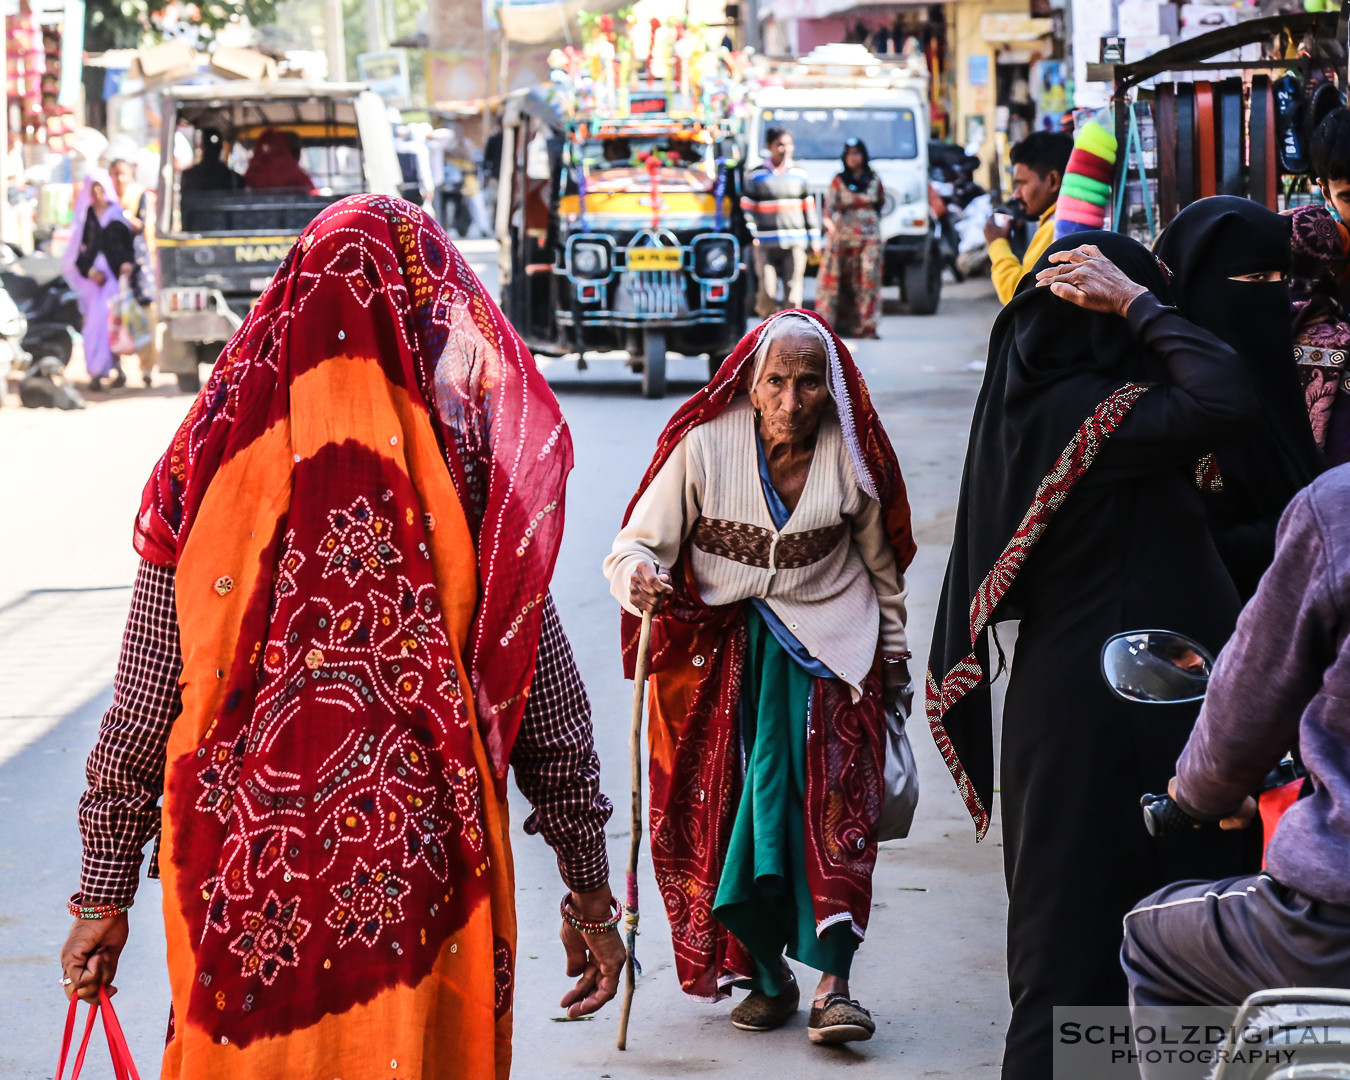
(931, 968)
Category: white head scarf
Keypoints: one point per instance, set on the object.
(789, 322)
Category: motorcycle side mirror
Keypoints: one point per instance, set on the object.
(1156, 667)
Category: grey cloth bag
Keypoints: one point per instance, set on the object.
(900, 781)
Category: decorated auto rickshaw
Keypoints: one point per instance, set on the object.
(616, 205)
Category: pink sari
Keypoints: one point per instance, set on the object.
(95, 299)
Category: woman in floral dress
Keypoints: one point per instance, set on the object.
(848, 288)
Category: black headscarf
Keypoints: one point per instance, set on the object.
(856, 182)
(1051, 365)
(1204, 246)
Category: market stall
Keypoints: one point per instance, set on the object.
(1225, 113)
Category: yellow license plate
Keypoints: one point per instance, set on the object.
(654, 259)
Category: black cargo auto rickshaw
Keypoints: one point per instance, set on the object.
(622, 233)
(221, 239)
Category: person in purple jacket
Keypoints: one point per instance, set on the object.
(1283, 680)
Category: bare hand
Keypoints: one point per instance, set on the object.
(1244, 817)
(994, 231)
(89, 956)
(1086, 277)
(647, 590)
(98, 277)
(125, 271)
(597, 958)
(896, 686)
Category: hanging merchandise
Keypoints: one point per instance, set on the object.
(58, 119)
(1265, 166)
(25, 66)
(1086, 188)
(1243, 135)
(35, 86)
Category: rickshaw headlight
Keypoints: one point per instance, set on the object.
(715, 258)
(590, 260)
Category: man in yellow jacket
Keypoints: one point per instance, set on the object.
(1038, 163)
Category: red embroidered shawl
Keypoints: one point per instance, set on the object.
(697, 664)
(364, 506)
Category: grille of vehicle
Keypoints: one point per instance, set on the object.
(651, 292)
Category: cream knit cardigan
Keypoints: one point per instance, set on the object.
(830, 575)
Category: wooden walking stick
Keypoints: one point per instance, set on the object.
(630, 908)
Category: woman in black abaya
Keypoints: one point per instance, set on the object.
(1229, 258)
(1079, 515)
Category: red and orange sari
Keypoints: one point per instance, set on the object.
(696, 665)
(363, 507)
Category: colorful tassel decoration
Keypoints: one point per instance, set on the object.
(1086, 191)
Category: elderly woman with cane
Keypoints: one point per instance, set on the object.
(777, 504)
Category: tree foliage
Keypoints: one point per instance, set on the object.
(129, 24)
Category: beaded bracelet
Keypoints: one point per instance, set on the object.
(96, 911)
(582, 926)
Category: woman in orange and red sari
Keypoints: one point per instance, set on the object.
(340, 638)
(770, 536)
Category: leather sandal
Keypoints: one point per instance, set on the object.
(760, 1012)
(839, 1020)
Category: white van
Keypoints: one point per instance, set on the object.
(843, 91)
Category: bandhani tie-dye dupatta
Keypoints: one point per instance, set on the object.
(364, 506)
(697, 664)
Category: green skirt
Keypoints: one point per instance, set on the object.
(763, 897)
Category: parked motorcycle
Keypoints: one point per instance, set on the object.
(960, 206)
(1306, 1029)
(13, 326)
(47, 301)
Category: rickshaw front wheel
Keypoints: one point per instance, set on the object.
(654, 364)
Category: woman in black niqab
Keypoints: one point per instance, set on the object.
(1225, 254)
(1079, 515)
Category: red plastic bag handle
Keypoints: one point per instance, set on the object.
(117, 1041)
(123, 1067)
(66, 1038)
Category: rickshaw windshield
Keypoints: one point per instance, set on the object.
(628, 152)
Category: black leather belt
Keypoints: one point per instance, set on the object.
(1205, 182)
(1230, 131)
(1262, 141)
(1185, 144)
(1165, 127)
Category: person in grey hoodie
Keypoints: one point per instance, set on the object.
(1282, 681)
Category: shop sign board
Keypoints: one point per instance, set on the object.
(977, 69)
(1005, 26)
(386, 73)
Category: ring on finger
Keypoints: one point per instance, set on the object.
(66, 980)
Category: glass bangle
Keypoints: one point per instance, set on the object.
(95, 911)
(584, 926)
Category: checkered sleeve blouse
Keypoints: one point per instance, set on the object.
(554, 757)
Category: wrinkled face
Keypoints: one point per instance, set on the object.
(121, 175)
(853, 159)
(791, 394)
(1037, 192)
